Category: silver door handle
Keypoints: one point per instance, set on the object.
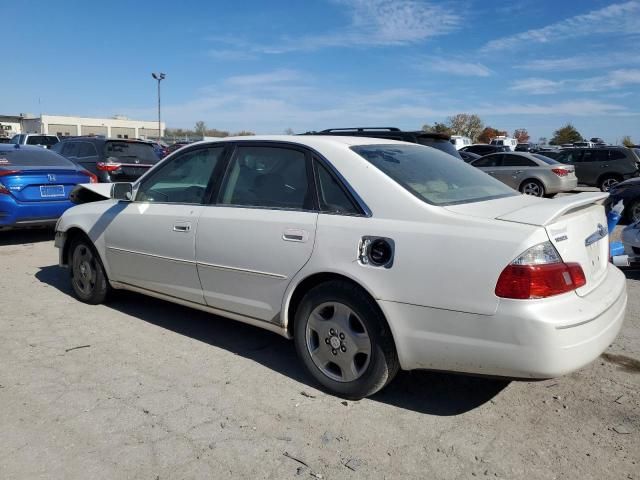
(517, 172)
(182, 228)
(295, 235)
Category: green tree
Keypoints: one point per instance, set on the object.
(627, 142)
(200, 128)
(566, 134)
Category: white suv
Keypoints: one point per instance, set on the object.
(39, 139)
(372, 254)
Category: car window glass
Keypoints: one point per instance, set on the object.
(71, 149)
(86, 149)
(517, 161)
(545, 159)
(267, 177)
(488, 161)
(595, 156)
(332, 196)
(39, 157)
(433, 176)
(615, 155)
(42, 140)
(182, 180)
(569, 156)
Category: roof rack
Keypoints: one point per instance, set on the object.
(361, 129)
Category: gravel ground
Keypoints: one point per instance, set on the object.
(141, 388)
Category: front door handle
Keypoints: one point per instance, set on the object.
(182, 227)
(295, 235)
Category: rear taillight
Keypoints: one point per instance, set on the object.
(92, 177)
(108, 167)
(4, 173)
(539, 273)
(4, 190)
(561, 172)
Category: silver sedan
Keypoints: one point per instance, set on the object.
(530, 173)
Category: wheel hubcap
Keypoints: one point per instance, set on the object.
(532, 189)
(84, 269)
(338, 342)
(608, 183)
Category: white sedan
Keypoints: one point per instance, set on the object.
(372, 255)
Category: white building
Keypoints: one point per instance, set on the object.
(10, 125)
(63, 126)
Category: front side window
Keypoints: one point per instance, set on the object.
(270, 177)
(333, 198)
(182, 180)
(433, 176)
(488, 161)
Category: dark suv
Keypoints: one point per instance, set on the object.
(111, 160)
(436, 140)
(601, 167)
(484, 149)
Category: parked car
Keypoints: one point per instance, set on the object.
(468, 156)
(484, 149)
(439, 141)
(175, 146)
(111, 160)
(460, 141)
(601, 167)
(629, 192)
(508, 142)
(529, 173)
(373, 255)
(46, 141)
(35, 185)
(550, 153)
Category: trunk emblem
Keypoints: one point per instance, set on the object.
(51, 177)
(599, 234)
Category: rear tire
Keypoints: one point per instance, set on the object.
(532, 187)
(608, 181)
(88, 280)
(344, 341)
(633, 211)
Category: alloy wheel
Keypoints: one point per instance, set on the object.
(84, 269)
(532, 188)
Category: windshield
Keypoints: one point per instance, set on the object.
(36, 157)
(431, 176)
(128, 152)
(46, 140)
(547, 160)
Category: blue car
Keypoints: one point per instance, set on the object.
(35, 184)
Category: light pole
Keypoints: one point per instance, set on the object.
(159, 77)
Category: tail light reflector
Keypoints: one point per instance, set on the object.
(108, 167)
(539, 273)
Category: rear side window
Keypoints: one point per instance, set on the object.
(270, 177)
(517, 161)
(38, 157)
(86, 149)
(569, 156)
(488, 161)
(333, 198)
(616, 155)
(128, 152)
(433, 177)
(70, 149)
(545, 159)
(595, 156)
(45, 140)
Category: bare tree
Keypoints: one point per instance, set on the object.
(289, 131)
(469, 125)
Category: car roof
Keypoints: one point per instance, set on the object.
(10, 147)
(311, 141)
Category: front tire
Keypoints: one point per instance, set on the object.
(633, 211)
(344, 341)
(89, 282)
(608, 181)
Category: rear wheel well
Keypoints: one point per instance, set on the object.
(617, 176)
(313, 281)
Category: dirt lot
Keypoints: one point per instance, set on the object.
(144, 389)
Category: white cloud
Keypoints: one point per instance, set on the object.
(618, 18)
(615, 79)
(457, 67)
(581, 62)
(537, 86)
(263, 79)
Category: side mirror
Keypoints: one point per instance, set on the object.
(122, 191)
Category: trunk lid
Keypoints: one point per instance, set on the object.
(576, 226)
(37, 185)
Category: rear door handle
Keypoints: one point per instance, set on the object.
(182, 227)
(295, 235)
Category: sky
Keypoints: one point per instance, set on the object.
(315, 64)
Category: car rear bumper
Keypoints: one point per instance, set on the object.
(562, 184)
(524, 339)
(14, 214)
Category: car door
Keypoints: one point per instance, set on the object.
(150, 243)
(489, 163)
(260, 230)
(592, 163)
(574, 157)
(514, 169)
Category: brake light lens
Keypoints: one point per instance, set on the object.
(108, 167)
(539, 273)
(561, 172)
(4, 173)
(92, 177)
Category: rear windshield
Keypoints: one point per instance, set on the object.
(126, 152)
(46, 140)
(440, 144)
(433, 177)
(547, 160)
(36, 157)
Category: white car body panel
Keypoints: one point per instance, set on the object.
(438, 297)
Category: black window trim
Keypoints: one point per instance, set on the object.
(316, 173)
